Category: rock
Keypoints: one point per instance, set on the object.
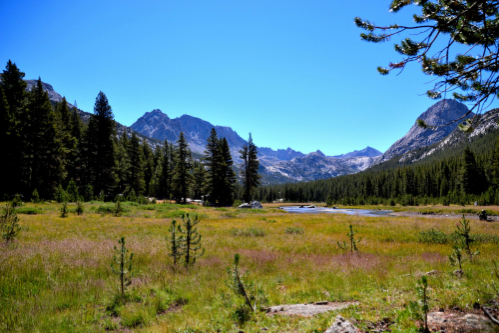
(256, 205)
(321, 303)
(307, 310)
(458, 273)
(459, 322)
(245, 205)
(341, 325)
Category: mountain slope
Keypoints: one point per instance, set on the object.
(439, 114)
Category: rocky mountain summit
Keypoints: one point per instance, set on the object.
(366, 152)
(439, 114)
(158, 125)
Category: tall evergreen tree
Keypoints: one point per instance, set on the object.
(123, 163)
(44, 151)
(102, 162)
(148, 166)
(229, 179)
(77, 134)
(199, 185)
(213, 162)
(164, 186)
(469, 172)
(182, 177)
(11, 142)
(251, 178)
(65, 130)
(136, 163)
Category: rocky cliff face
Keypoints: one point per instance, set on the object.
(441, 113)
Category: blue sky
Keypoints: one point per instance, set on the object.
(293, 73)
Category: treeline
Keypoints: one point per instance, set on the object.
(460, 179)
(48, 153)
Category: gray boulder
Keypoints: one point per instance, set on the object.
(341, 325)
(256, 205)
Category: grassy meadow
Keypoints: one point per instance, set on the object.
(56, 276)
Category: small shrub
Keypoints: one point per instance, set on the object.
(79, 208)
(294, 230)
(456, 257)
(64, 209)
(35, 197)
(249, 232)
(237, 203)
(17, 201)
(9, 223)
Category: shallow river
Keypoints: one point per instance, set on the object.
(359, 212)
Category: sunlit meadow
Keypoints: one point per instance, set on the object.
(56, 276)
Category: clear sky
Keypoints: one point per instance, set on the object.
(293, 73)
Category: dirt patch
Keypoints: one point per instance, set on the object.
(307, 310)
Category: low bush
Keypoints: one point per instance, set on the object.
(29, 210)
(294, 230)
(248, 232)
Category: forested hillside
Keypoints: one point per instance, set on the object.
(467, 170)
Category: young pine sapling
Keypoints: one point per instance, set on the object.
(117, 208)
(175, 240)
(64, 209)
(123, 265)
(191, 243)
(466, 239)
(237, 285)
(456, 257)
(421, 308)
(353, 241)
(9, 223)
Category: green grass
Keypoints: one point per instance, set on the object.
(57, 276)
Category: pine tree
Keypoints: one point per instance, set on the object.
(190, 246)
(136, 163)
(182, 177)
(148, 166)
(164, 187)
(65, 131)
(213, 162)
(468, 174)
(11, 141)
(228, 175)
(251, 179)
(43, 149)
(123, 163)
(124, 265)
(78, 162)
(100, 134)
(199, 184)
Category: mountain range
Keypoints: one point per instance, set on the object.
(288, 165)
